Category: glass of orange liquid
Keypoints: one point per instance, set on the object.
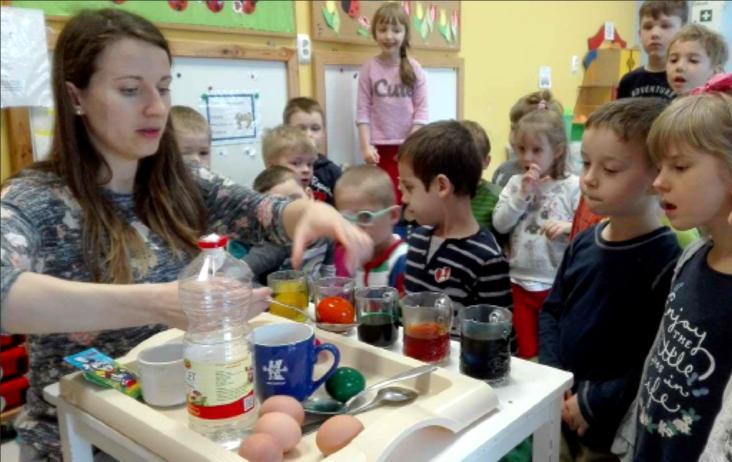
(427, 317)
(289, 288)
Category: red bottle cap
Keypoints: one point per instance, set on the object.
(212, 241)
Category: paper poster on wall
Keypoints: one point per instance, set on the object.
(24, 67)
(233, 117)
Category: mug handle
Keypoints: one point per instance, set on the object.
(336, 359)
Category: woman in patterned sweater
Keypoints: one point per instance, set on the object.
(93, 239)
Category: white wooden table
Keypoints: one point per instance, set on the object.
(529, 403)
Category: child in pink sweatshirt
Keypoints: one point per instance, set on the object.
(392, 93)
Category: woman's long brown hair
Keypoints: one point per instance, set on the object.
(166, 198)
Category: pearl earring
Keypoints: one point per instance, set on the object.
(78, 111)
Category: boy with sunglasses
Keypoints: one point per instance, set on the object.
(439, 170)
(364, 195)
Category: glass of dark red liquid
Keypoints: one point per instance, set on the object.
(485, 351)
(427, 317)
(377, 312)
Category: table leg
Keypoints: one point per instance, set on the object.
(75, 448)
(547, 436)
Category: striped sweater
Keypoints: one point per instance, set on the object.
(470, 270)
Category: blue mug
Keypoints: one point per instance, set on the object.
(284, 358)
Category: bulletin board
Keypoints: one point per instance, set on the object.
(200, 71)
(434, 25)
(271, 17)
(336, 79)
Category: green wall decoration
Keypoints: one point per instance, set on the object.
(271, 17)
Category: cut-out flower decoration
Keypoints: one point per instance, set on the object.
(454, 23)
(237, 6)
(420, 24)
(250, 6)
(364, 27)
(443, 27)
(419, 11)
(331, 16)
(351, 7)
(431, 15)
(407, 8)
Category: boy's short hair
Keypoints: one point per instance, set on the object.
(371, 181)
(444, 148)
(701, 122)
(712, 42)
(271, 177)
(187, 119)
(301, 103)
(283, 138)
(482, 142)
(655, 8)
(629, 118)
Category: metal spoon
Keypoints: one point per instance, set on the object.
(325, 405)
(388, 395)
(345, 327)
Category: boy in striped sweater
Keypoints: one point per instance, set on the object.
(439, 170)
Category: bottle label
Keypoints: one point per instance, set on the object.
(219, 390)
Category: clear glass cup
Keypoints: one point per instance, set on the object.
(290, 288)
(377, 313)
(334, 303)
(485, 337)
(427, 317)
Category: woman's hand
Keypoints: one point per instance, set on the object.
(321, 220)
(260, 301)
(170, 312)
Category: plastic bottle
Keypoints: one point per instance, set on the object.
(215, 292)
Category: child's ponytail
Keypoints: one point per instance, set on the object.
(406, 71)
(542, 99)
(393, 13)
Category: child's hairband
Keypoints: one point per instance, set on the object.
(718, 83)
(541, 105)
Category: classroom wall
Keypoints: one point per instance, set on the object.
(503, 45)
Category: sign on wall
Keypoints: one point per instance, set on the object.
(434, 25)
(264, 16)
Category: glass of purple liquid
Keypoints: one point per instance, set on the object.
(376, 309)
(485, 335)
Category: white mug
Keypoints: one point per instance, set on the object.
(162, 375)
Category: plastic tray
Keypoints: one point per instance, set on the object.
(448, 400)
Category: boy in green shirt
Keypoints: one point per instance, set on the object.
(486, 196)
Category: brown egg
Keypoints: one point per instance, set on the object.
(261, 447)
(283, 427)
(337, 432)
(286, 404)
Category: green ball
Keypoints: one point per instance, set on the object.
(345, 383)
